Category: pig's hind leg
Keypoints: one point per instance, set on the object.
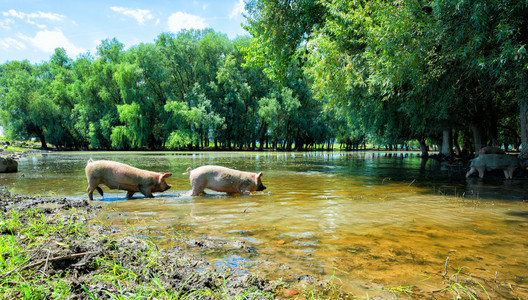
(197, 192)
(91, 189)
(198, 186)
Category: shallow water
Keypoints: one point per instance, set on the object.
(366, 218)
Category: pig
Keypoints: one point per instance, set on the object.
(505, 162)
(119, 176)
(223, 179)
(491, 150)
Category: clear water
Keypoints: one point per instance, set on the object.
(367, 218)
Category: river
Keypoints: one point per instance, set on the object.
(367, 219)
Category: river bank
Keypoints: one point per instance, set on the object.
(52, 247)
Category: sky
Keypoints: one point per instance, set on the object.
(32, 29)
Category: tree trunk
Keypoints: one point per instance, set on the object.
(447, 143)
(458, 150)
(43, 141)
(466, 143)
(523, 90)
(424, 148)
(477, 137)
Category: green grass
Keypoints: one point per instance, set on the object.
(31, 146)
(464, 286)
(23, 235)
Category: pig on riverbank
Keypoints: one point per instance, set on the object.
(119, 176)
(505, 162)
(223, 179)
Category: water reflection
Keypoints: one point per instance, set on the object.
(378, 218)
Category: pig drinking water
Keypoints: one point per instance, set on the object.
(223, 179)
(505, 162)
(119, 176)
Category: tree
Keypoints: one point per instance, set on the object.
(206, 123)
(408, 70)
(58, 77)
(25, 113)
(278, 28)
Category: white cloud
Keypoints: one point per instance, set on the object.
(12, 43)
(238, 9)
(29, 18)
(181, 20)
(6, 24)
(47, 41)
(141, 15)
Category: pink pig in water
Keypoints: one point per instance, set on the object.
(223, 179)
(119, 176)
(483, 162)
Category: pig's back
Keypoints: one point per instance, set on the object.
(101, 167)
(115, 174)
(218, 172)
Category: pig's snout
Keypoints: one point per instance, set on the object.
(168, 187)
(261, 187)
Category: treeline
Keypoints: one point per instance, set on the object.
(451, 72)
(442, 72)
(184, 91)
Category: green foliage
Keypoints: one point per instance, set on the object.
(400, 70)
(183, 91)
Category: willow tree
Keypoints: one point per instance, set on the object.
(24, 112)
(412, 69)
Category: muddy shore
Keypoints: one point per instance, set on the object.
(80, 259)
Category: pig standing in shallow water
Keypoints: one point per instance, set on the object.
(123, 177)
(505, 162)
(225, 180)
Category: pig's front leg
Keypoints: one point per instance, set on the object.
(130, 194)
(146, 191)
(245, 188)
(245, 191)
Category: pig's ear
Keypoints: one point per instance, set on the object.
(257, 177)
(163, 176)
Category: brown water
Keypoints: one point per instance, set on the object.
(371, 220)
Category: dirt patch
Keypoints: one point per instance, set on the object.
(10, 201)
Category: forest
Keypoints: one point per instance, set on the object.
(452, 73)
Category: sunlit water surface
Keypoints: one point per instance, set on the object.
(371, 219)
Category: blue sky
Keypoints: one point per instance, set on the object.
(32, 29)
